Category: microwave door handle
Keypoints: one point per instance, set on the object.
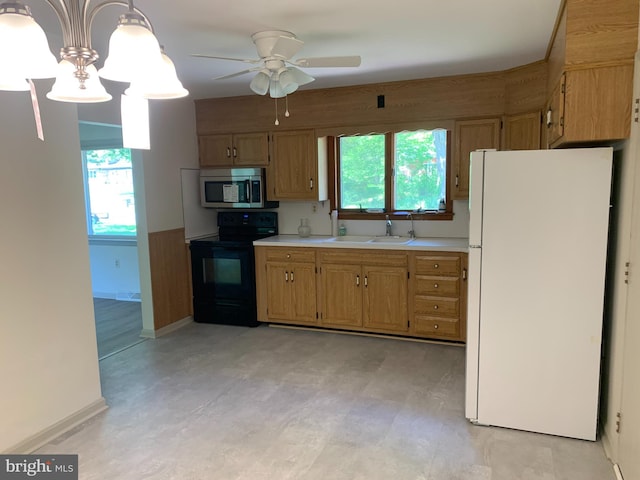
(247, 189)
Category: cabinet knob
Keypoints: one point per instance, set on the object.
(435, 285)
(435, 307)
(435, 327)
(436, 265)
(288, 255)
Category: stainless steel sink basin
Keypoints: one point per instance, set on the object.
(391, 239)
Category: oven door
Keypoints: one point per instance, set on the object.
(223, 272)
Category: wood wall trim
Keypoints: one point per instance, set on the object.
(407, 102)
(169, 277)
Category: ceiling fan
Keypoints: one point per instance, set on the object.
(277, 73)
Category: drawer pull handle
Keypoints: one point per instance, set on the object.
(435, 285)
(435, 307)
(435, 327)
(436, 265)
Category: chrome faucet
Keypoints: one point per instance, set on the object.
(412, 232)
(388, 227)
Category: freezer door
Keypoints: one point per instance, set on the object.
(476, 180)
(473, 333)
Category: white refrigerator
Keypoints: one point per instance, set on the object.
(537, 256)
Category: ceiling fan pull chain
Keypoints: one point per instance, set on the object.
(286, 102)
(277, 122)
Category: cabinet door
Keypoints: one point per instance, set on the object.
(385, 298)
(278, 291)
(555, 113)
(471, 135)
(302, 281)
(522, 132)
(215, 150)
(251, 149)
(342, 295)
(294, 166)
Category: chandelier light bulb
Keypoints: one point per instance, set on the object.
(67, 88)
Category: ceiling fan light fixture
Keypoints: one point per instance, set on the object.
(300, 77)
(287, 82)
(260, 83)
(24, 50)
(133, 50)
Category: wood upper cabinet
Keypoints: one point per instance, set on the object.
(438, 295)
(521, 132)
(471, 135)
(226, 150)
(364, 290)
(286, 285)
(590, 105)
(298, 170)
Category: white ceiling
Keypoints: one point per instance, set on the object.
(397, 39)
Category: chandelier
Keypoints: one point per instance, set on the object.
(134, 56)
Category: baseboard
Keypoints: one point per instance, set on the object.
(609, 450)
(43, 437)
(146, 333)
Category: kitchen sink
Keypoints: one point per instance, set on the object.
(391, 239)
(352, 238)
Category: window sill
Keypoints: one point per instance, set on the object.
(428, 215)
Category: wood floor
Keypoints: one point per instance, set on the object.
(216, 402)
(118, 325)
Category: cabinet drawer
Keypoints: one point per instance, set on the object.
(290, 255)
(437, 306)
(427, 325)
(437, 286)
(437, 265)
(367, 257)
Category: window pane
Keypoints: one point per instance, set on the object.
(362, 171)
(420, 169)
(110, 192)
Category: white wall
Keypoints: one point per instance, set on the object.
(48, 353)
(114, 270)
(290, 213)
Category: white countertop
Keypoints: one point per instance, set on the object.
(321, 241)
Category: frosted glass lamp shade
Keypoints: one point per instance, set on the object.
(260, 83)
(133, 51)
(67, 87)
(160, 84)
(299, 76)
(287, 82)
(24, 50)
(12, 84)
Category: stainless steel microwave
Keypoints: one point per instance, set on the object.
(234, 188)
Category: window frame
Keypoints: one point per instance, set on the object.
(356, 214)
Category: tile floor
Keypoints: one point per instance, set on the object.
(213, 402)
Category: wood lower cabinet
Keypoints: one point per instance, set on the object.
(286, 283)
(410, 293)
(364, 290)
(438, 295)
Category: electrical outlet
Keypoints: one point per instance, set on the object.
(314, 208)
(117, 263)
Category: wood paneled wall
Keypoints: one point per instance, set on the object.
(170, 286)
(445, 98)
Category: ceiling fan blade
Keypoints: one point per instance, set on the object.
(237, 74)
(245, 60)
(352, 61)
(286, 47)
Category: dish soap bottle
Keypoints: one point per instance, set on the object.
(342, 231)
(304, 230)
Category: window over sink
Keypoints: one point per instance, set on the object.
(393, 173)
